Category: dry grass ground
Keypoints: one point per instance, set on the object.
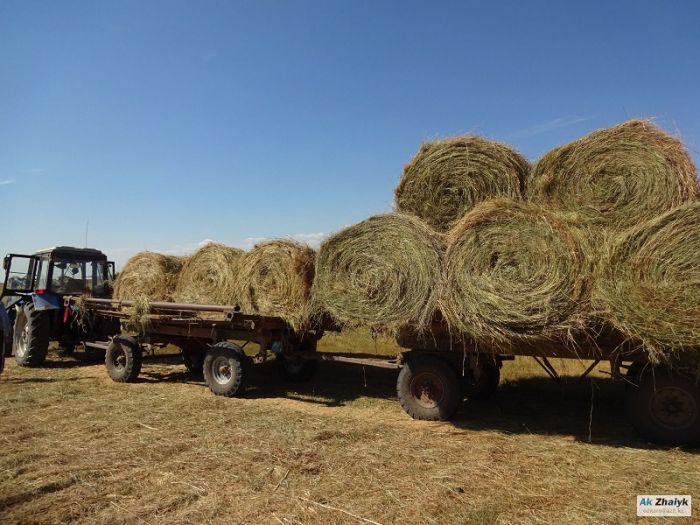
(76, 447)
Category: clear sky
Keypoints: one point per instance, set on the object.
(164, 123)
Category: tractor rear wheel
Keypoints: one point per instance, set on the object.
(31, 336)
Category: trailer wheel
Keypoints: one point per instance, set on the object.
(223, 369)
(193, 357)
(481, 381)
(296, 369)
(123, 359)
(665, 407)
(31, 336)
(428, 388)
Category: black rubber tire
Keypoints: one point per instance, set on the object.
(2, 349)
(665, 407)
(123, 359)
(482, 382)
(33, 326)
(224, 369)
(428, 388)
(296, 370)
(193, 358)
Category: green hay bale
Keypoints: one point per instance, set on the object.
(209, 276)
(148, 274)
(275, 279)
(514, 273)
(648, 283)
(380, 273)
(447, 178)
(615, 177)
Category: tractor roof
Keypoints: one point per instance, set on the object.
(69, 251)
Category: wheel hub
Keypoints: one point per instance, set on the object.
(427, 389)
(119, 359)
(222, 370)
(22, 341)
(674, 408)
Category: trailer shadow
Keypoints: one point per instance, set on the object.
(590, 411)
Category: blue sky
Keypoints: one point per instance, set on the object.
(165, 123)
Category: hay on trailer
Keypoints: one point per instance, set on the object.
(514, 273)
(615, 177)
(275, 279)
(148, 274)
(380, 273)
(209, 276)
(446, 178)
(648, 283)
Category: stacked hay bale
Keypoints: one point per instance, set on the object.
(601, 232)
(149, 275)
(615, 177)
(597, 233)
(446, 178)
(275, 279)
(648, 282)
(629, 190)
(380, 273)
(209, 276)
(514, 273)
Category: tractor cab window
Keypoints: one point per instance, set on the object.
(78, 277)
(20, 273)
(42, 274)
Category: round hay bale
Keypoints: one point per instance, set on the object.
(150, 275)
(209, 276)
(615, 177)
(446, 178)
(380, 273)
(648, 282)
(514, 273)
(275, 279)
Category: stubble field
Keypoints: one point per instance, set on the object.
(77, 447)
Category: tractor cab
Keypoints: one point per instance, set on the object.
(57, 272)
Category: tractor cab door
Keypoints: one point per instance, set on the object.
(20, 274)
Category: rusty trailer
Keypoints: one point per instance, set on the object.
(437, 370)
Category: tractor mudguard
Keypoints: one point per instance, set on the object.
(46, 301)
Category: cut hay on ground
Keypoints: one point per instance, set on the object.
(275, 279)
(380, 273)
(209, 276)
(446, 178)
(648, 283)
(148, 274)
(513, 273)
(615, 177)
